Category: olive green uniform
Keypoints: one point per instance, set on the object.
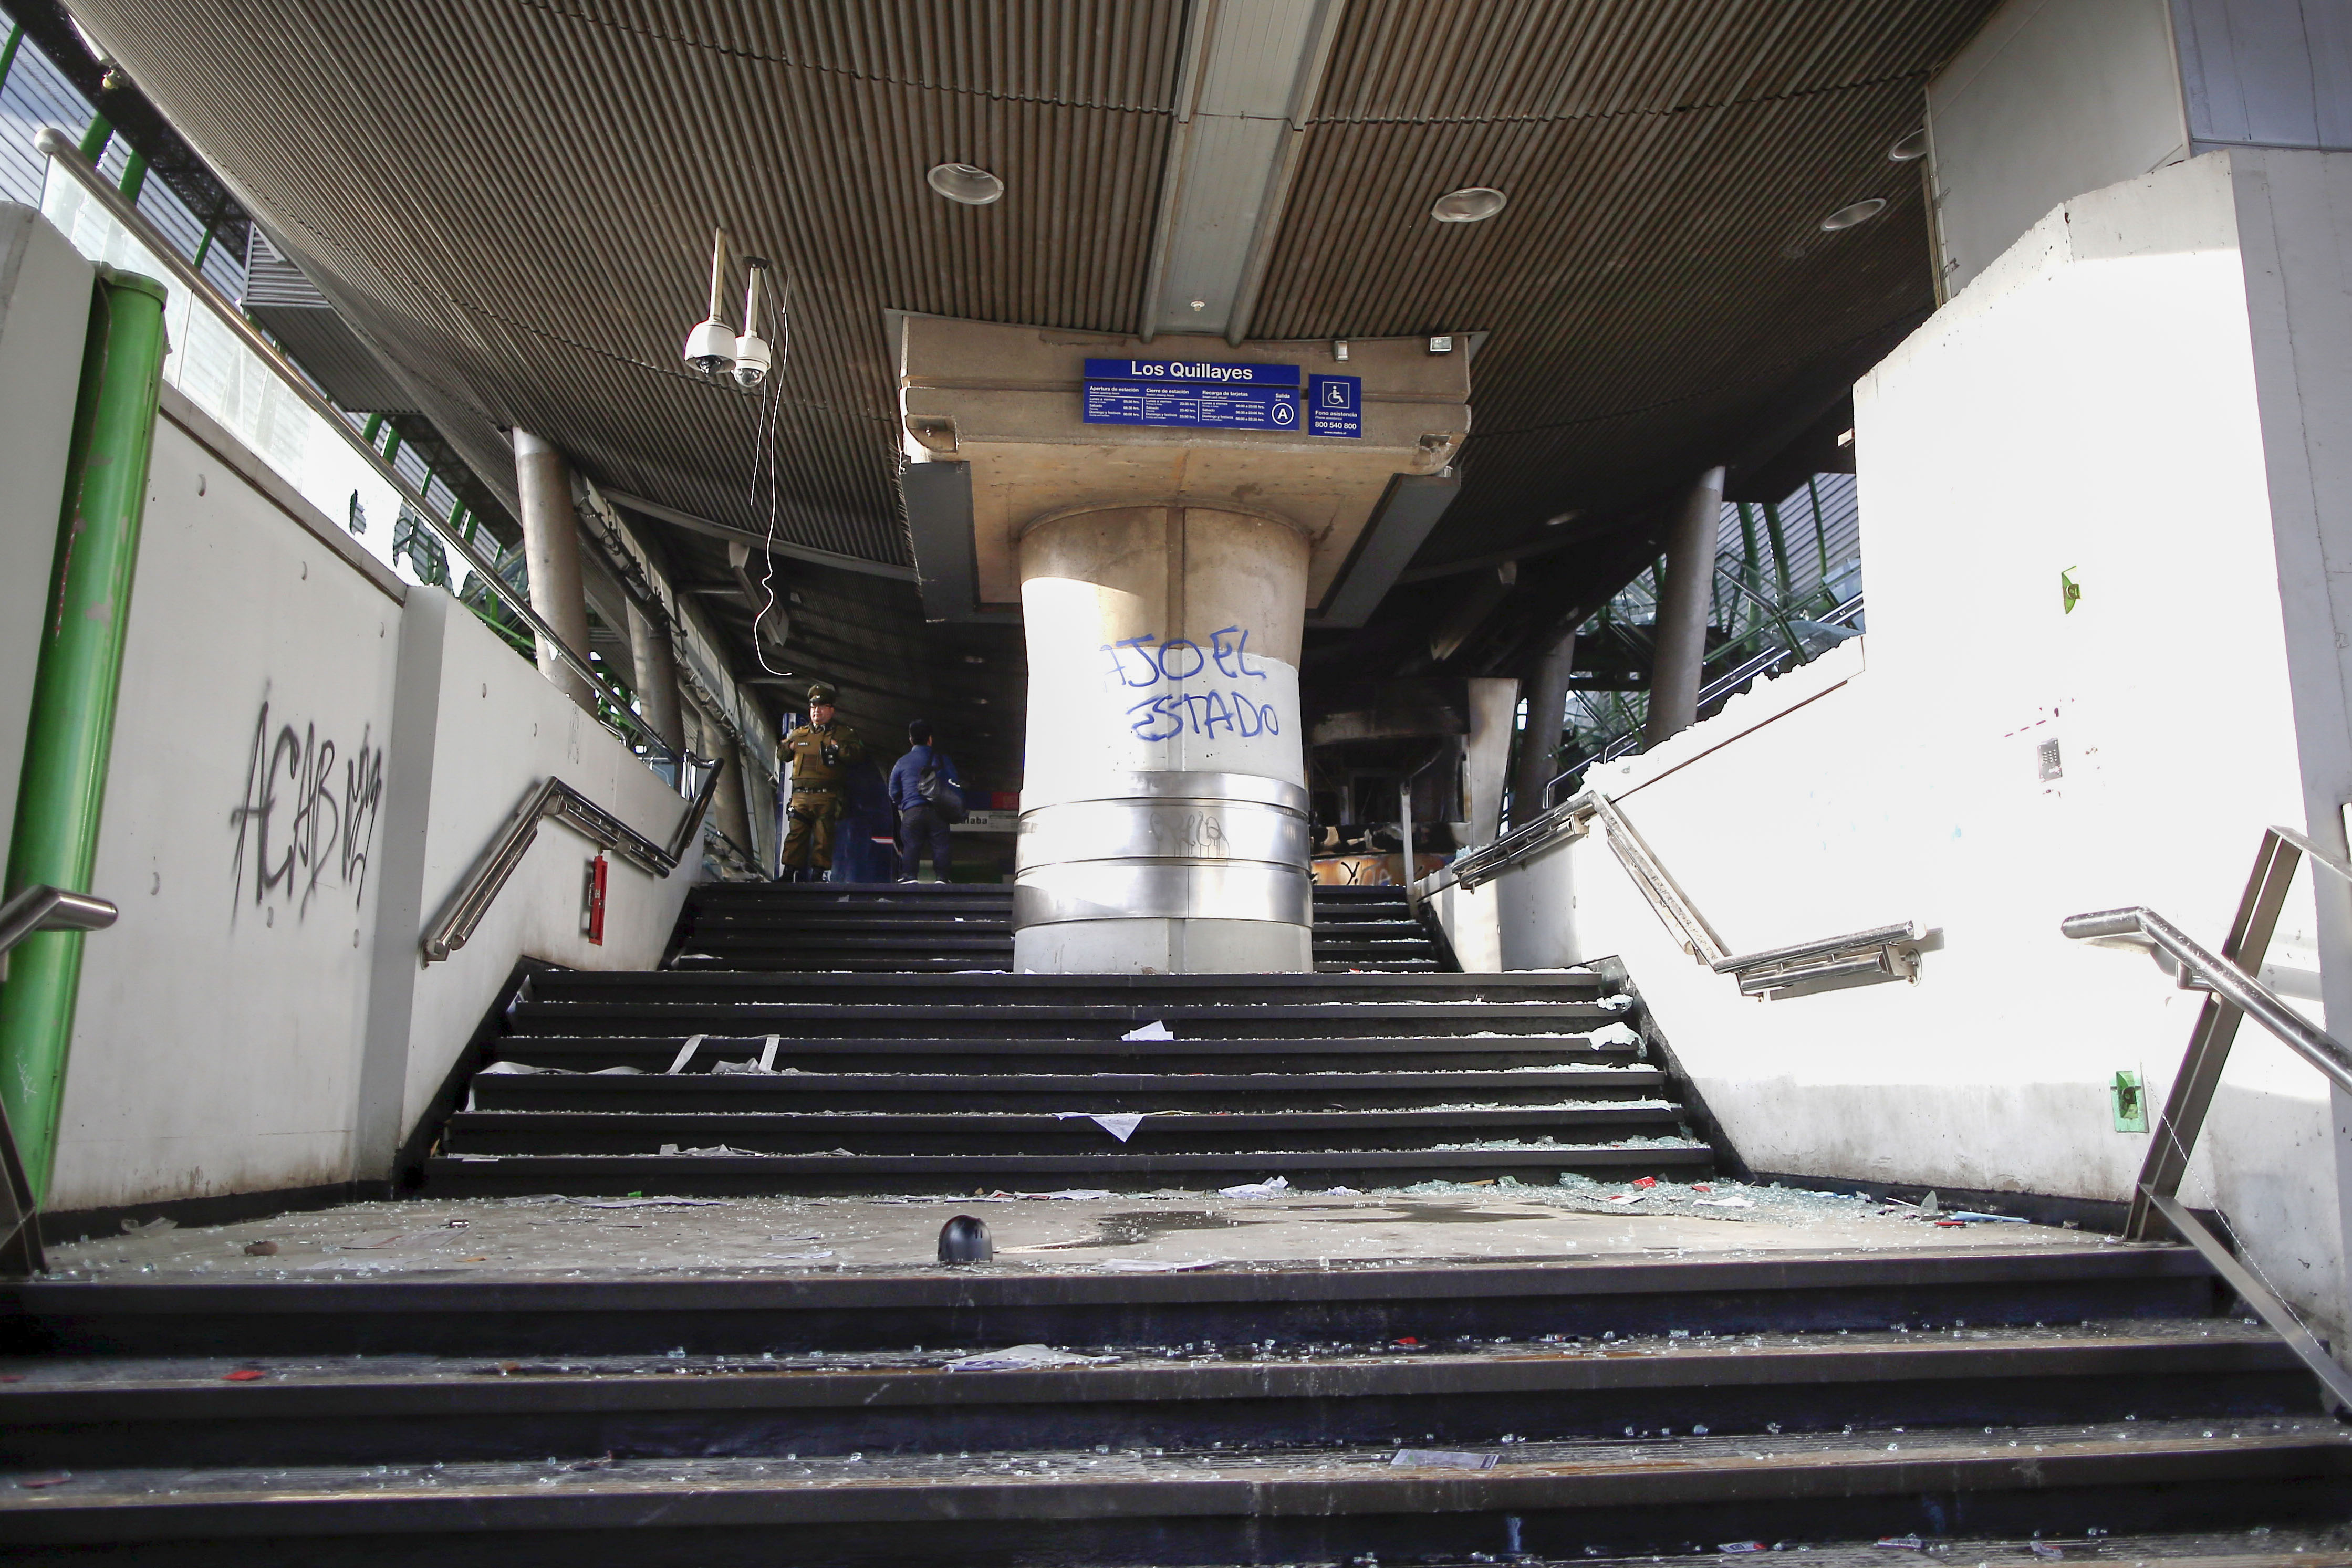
(820, 763)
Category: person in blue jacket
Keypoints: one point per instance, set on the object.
(920, 823)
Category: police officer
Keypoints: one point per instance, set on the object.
(822, 752)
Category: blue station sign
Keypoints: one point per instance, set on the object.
(1194, 394)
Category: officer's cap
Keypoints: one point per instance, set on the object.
(820, 692)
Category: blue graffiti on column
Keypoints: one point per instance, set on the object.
(1138, 663)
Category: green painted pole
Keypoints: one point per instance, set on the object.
(134, 175)
(71, 729)
(8, 54)
(94, 140)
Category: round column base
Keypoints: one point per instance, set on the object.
(1196, 945)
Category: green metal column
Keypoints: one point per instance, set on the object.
(71, 729)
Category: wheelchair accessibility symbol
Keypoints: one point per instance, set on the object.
(1335, 406)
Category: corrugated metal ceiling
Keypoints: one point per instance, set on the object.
(514, 201)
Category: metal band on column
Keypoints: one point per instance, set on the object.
(1168, 846)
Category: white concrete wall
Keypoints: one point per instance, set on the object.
(43, 311)
(2126, 397)
(213, 1045)
(497, 739)
(2050, 96)
(259, 1019)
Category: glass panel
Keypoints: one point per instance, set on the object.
(220, 375)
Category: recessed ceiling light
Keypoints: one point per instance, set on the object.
(1859, 213)
(1472, 203)
(1568, 517)
(1909, 147)
(965, 182)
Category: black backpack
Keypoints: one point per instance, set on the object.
(941, 795)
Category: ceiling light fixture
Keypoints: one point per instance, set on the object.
(1859, 211)
(967, 183)
(1470, 205)
(752, 355)
(1908, 149)
(711, 347)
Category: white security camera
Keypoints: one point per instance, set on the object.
(710, 348)
(752, 355)
(752, 358)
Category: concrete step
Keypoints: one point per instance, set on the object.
(83, 1413)
(734, 1174)
(679, 1011)
(1160, 1505)
(1135, 992)
(1232, 1090)
(984, 1129)
(927, 1045)
(1621, 1296)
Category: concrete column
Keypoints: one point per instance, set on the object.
(1538, 746)
(550, 539)
(1681, 630)
(1164, 824)
(656, 665)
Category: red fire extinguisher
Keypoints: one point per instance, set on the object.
(596, 869)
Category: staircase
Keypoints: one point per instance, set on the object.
(946, 927)
(930, 1082)
(1447, 1415)
(1995, 1401)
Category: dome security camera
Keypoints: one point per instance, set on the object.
(752, 359)
(752, 355)
(711, 347)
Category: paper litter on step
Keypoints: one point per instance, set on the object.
(1155, 1029)
(1120, 1125)
(1069, 1192)
(1614, 1034)
(1442, 1460)
(685, 1052)
(1620, 1002)
(500, 1069)
(1155, 1265)
(651, 1203)
(1024, 1357)
(1272, 1187)
(617, 1071)
(1734, 1202)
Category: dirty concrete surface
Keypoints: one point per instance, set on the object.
(1097, 1233)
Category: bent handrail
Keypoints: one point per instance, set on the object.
(35, 908)
(560, 801)
(1888, 950)
(2233, 993)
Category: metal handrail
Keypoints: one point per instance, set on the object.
(1757, 664)
(2233, 993)
(44, 908)
(60, 149)
(35, 908)
(1890, 950)
(560, 801)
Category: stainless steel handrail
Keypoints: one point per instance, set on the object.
(2232, 994)
(35, 908)
(1889, 951)
(560, 801)
(1757, 664)
(43, 908)
(60, 149)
